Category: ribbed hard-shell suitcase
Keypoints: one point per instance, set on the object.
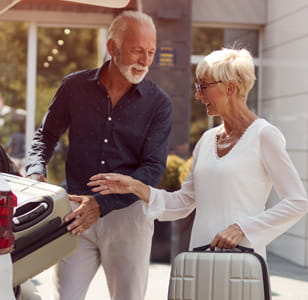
(41, 237)
(239, 274)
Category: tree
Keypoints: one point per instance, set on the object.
(13, 51)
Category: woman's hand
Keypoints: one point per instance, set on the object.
(112, 183)
(228, 238)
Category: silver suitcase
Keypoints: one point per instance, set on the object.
(239, 274)
(41, 238)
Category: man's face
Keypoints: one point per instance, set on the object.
(136, 53)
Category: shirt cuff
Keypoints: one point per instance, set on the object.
(36, 170)
(155, 206)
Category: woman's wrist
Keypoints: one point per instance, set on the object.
(141, 190)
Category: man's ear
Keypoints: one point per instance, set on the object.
(111, 47)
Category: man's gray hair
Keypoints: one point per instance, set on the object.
(119, 24)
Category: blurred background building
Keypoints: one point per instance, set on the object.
(274, 31)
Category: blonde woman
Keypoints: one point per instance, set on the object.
(234, 167)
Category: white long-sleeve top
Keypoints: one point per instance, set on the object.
(235, 188)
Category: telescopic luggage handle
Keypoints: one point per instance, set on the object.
(207, 247)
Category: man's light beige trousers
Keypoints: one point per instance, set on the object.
(121, 243)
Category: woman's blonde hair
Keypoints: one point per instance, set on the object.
(229, 65)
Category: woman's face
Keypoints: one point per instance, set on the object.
(212, 94)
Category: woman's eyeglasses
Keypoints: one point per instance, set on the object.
(203, 86)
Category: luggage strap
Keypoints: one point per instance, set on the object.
(238, 247)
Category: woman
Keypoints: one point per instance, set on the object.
(234, 167)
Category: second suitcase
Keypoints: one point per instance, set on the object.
(41, 238)
(219, 275)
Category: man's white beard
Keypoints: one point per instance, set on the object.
(127, 72)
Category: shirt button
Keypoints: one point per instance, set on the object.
(102, 162)
(105, 140)
(109, 118)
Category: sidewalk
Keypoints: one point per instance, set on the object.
(288, 282)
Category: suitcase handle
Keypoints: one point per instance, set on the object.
(238, 247)
(31, 213)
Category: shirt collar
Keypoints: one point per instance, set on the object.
(140, 87)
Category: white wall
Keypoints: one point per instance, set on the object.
(226, 11)
(284, 94)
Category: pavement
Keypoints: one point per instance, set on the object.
(288, 282)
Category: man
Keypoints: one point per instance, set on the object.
(118, 121)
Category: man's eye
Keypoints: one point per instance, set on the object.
(137, 51)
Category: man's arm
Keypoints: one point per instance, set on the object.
(54, 123)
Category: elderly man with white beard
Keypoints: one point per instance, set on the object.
(118, 121)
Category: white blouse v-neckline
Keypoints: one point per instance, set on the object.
(242, 137)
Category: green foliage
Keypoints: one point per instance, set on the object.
(77, 53)
(184, 170)
(176, 171)
(13, 51)
(205, 40)
(170, 180)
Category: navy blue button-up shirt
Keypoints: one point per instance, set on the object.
(131, 138)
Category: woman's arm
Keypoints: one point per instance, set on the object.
(162, 205)
(263, 228)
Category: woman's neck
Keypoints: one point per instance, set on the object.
(237, 121)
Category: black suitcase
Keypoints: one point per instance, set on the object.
(41, 238)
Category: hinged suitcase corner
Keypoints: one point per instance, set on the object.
(41, 237)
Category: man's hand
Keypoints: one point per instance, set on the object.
(38, 177)
(228, 238)
(85, 215)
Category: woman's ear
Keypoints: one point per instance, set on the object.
(231, 88)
